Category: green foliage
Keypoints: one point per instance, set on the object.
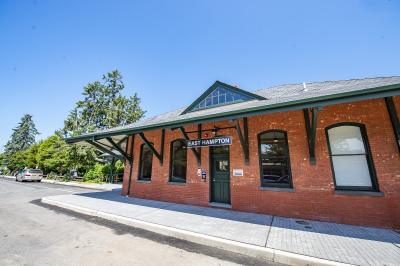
(119, 167)
(31, 157)
(23, 136)
(17, 160)
(96, 174)
(51, 155)
(101, 172)
(103, 107)
(52, 176)
(2, 160)
(81, 158)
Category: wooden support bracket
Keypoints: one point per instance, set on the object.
(118, 148)
(103, 149)
(394, 119)
(151, 146)
(195, 152)
(311, 129)
(244, 138)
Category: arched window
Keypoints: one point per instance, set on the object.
(178, 161)
(274, 159)
(350, 157)
(145, 163)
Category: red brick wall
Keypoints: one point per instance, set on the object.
(313, 196)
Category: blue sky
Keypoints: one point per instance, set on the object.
(169, 52)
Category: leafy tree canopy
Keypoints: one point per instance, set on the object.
(103, 107)
(23, 136)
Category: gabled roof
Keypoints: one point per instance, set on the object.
(242, 95)
(278, 98)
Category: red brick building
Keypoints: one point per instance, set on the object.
(327, 151)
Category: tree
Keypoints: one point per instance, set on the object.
(17, 160)
(103, 107)
(23, 136)
(51, 155)
(31, 158)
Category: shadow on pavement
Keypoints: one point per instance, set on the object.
(327, 228)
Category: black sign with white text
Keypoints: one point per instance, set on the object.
(217, 141)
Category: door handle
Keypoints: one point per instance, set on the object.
(214, 179)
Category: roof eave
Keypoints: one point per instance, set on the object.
(372, 93)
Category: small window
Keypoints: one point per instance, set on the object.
(178, 161)
(274, 159)
(146, 162)
(222, 165)
(221, 96)
(350, 157)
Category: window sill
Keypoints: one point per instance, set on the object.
(359, 193)
(220, 205)
(143, 181)
(278, 189)
(176, 183)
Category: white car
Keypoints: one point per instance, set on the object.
(29, 175)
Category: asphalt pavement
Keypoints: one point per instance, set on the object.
(33, 233)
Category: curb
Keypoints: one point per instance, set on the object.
(264, 253)
(65, 184)
(74, 185)
(7, 177)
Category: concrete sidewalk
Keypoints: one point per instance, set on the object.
(95, 186)
(283, 240)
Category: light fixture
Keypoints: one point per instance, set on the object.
(214, 130)
(275, 138)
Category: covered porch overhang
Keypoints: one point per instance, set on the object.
(115, 146)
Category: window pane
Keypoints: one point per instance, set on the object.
(221, 166)
(351, 171)
(202, 104)
(214, 100)
(146, 163)
(273, 149)
(221, 96)
(179, 161)
(229, 97)
(274, 159)
(275, 171)
(220, 149)
(208, 101)
(346, 140)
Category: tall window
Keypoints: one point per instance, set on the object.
(350, 157)
(146, 162)
(274, 159)
(178, 161)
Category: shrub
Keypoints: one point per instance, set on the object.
(95, 174)
(53, 176)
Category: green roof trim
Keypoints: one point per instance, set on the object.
(344, 97)
(213, 87)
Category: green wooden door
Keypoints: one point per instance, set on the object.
(220, 175)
